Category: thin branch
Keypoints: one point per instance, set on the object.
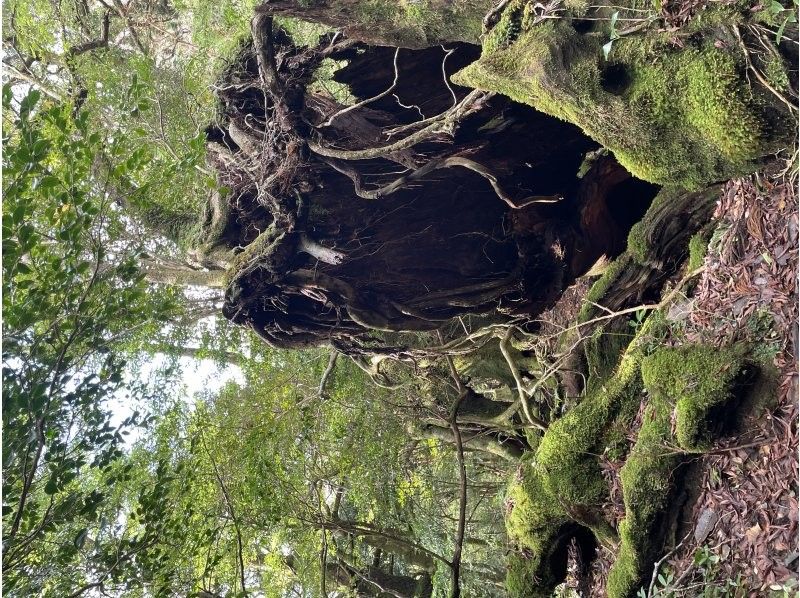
(423, 171)
(327, 373)
(455, 564)
(101, 42)
(523, 394)
(442, 125)
(362, 103)
(229, 505)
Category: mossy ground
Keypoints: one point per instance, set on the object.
(682, 116)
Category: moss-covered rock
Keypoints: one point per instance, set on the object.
(698, 379)
(682, 116)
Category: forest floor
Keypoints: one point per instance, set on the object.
(741, 528)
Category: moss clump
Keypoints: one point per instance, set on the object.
(687, 381)
(599, 288)
(775, 73)
(699, 379)
(646, 484)
(603, 351)
(637, 243)
(271, 249)
(567, 454)
(698, 248)
(714, 106)
(685, 117)
(562, 485)
(424, 23)
(532, 524)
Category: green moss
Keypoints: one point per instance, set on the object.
(506, 30)
(685, 117)
(643, 238)
(698, 248)
(532, 524)
(775, 72)
(715, 107)
(687, 382)
(603, 351)
(423, 23)
(488, 363)
(269, 243)
(637, 243)
(568, 451)
(562, 484)
(698, 378)
(646, 484)
(599, 288)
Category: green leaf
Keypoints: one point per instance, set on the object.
(29, 103)
(80, 538)
(775, 7)
(19, 212)
(779, 33)
(51, 487)
(607, 49)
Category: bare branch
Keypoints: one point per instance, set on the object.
(362, 103)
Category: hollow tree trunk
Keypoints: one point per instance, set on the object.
(419, 203)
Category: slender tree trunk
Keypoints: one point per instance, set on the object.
(480, 442)
(183, 276)
(389, 540)
(388, 22)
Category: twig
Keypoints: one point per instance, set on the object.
(362, 103)
(449, 118)
(757, 73)
(327, 373)
(660, 562)
(647, 307)
(428, 168)
(444, 74)
(523, 395)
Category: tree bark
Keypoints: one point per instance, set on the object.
(388, 22)
(183, 275)
(481, 442)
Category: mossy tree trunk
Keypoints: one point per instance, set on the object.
(419, 24)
